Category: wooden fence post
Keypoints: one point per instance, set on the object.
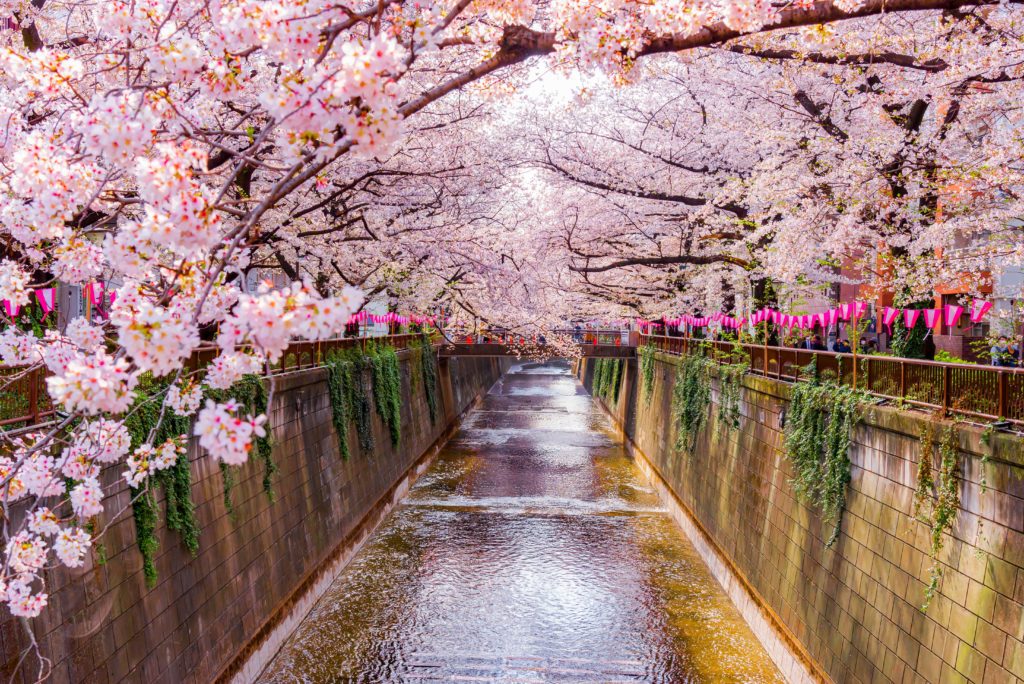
(947, 379)
(1004, 379)
(33, 395)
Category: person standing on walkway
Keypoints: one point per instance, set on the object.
(1000, 351)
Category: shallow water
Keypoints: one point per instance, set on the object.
(533, 550)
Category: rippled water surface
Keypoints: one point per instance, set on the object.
(532, 551)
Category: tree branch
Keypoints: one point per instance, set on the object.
(664, 261)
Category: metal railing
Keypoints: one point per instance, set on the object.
(595, 336)
(23, 397)
(985, 392)
(305, 355)
(24, 400)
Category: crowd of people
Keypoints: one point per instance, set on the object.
(842, 346)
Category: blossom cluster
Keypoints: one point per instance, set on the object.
(148, 459)
(185, 398)
(226, 434)
(93, 384)
(30, 471)
(271, 318)
(157, 339)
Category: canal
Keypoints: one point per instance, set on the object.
(533, 550)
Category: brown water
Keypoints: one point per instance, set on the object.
(533, 550)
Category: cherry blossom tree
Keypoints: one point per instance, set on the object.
(168, 148)
(797, 152)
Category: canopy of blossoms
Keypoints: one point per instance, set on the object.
(396, 149)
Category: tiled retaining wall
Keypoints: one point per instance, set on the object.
(852, 612)
(256, 568)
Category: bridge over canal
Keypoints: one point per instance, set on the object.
(498, 349)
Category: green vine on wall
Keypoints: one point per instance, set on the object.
(350, 400)
(691, 395)
(177, 484)
(428, 368)
(416, 355)
(339, 383)
(145, 513)
(144, 418)
(616, 380)
(600, 377)
(730, 384)
(938, 511)
(227, 474)
(387, 389)
(607, 379)
(925, 475)
(647, 353)
(818, 429)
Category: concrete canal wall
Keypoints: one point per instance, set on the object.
(851, 612)
(223, 614)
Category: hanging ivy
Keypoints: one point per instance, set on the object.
(691, 395)
(647, 370)
(415, 352)
(607, 379)
(145, 513)
(616, 382)
(144, 418)
(730, 383)
(428, 368)
(350, 402)
(227, 474)
(944, 506)
(251, 395)
(387, 389)
(599, 377)
(359, 403)
(177, 484)
(818, 429)
(922, 509)
(339, 387)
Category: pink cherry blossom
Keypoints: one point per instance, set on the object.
(70, 546)
(227, 435)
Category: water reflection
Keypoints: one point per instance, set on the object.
(532, 551)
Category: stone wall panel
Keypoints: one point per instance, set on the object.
(207, 613)
(853, 610)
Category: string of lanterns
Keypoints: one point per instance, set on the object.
(47, 298)
(842, 314)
